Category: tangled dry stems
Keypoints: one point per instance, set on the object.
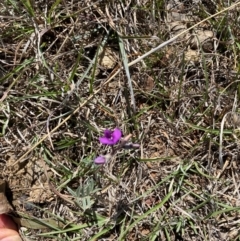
(174, 187)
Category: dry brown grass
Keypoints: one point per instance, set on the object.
(64, 81)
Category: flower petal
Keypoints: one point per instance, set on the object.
(116, 135)
(108, 133)
(100, 160)
(106, 141)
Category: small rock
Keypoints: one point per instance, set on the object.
(191, 55)
(203, 37)
(178, 27)
(108, 58)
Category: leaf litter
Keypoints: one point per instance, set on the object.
(173, 187)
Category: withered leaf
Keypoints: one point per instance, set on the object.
(4, 204)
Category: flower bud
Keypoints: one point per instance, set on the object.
(100, 160)
(130, 145)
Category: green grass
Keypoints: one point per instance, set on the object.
(60, 91)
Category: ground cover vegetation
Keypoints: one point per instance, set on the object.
(77, 76)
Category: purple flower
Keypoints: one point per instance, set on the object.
(100, 160)
(111, 137)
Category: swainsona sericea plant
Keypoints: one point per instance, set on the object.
(114, 138)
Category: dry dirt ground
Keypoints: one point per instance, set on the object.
(64, 80)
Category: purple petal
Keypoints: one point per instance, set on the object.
(107, 138)
(108, 133)
(116, 135)
(111, 137)
(100, 160)
(106, 141)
